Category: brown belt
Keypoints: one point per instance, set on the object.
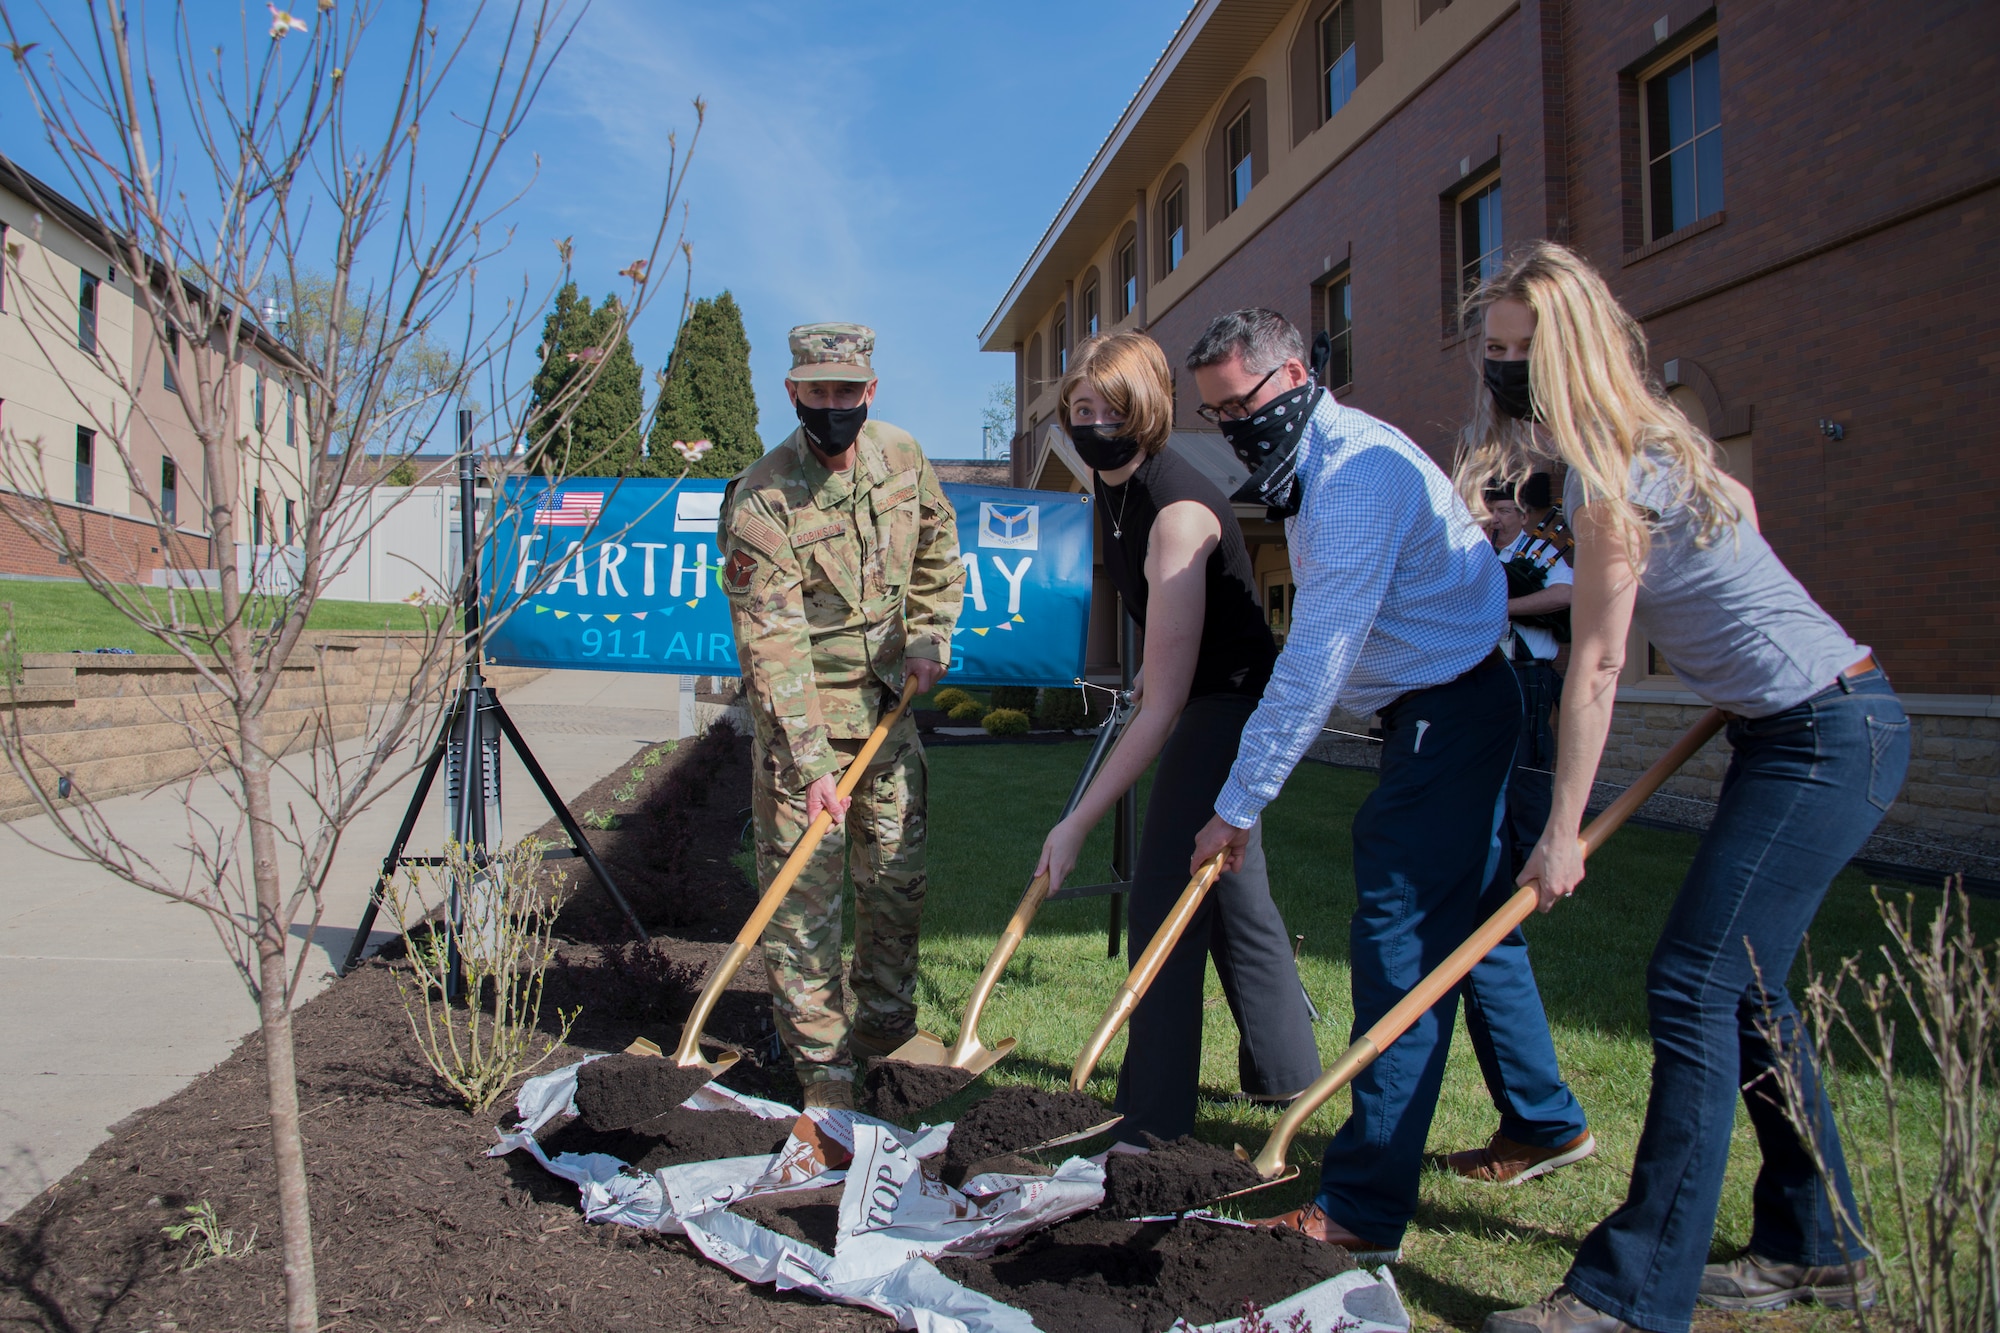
(1861, 668)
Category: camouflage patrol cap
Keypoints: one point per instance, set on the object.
(832, 352)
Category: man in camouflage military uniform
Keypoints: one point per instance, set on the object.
(840, 561)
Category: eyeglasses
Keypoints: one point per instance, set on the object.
(1236, 408)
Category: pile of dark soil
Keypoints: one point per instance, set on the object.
(678, 1137)
(812, 1216)
(1098, 1275)
(898, 1091)
(619, 1091)
(1172, 1177)
(1015, 1118)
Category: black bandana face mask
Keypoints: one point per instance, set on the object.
(830, 430)
(1100, 450)
(1508, 381)
(1267, 442)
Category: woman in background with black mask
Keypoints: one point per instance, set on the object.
(1174, 549)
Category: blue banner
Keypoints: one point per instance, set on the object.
(604, 574)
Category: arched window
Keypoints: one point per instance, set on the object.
(1337, 45)
(1239, 150)
(1089, 306)
(1125, 273)
(1173, 221)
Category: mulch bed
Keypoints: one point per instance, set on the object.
(414, 1227)
(1099, 1275)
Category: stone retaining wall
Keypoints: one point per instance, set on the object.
(115, 724)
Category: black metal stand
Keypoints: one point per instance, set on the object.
(1125, 825)
(470, 747)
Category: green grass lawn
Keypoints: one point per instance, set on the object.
(72, 617)
(1472, 1249)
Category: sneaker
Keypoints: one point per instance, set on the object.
(1754, 1283)
(835, 1094)
(1505, 1162)
(1562, 1312)
(1313, 1221)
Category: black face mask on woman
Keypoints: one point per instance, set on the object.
(1100, 448)
(1508, 381)
(830, 430)
(1267, 442)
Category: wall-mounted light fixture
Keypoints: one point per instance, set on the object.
(62, 786)
(1832, 429)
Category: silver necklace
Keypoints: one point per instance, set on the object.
(1118, 519)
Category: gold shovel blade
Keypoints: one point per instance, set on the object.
(927, 1048)
(1077, 1137)
(1290, 1173)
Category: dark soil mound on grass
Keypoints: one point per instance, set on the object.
(1172, 1177)
(898, 1091)
(812, 1216)
(1015, 1118)
(678, 1137)
(619, 1091)
(1099, 1275)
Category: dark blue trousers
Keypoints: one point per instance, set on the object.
(1425, 847)
(1503, 1010)
(1804, 790)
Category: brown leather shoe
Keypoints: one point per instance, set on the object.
(1313, 1221)
(1505, 1162)
(1754, 1283)
(1562, 1312)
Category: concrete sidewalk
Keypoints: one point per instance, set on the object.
(116, 999)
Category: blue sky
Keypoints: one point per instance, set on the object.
(888, 163)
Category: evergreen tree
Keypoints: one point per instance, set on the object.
(706, 394)
(601, 436)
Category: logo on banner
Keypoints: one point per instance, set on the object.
(697, 511)
(1013, 526)
(569, 511)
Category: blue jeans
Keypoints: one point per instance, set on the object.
(1425, 848)
(1804, 790)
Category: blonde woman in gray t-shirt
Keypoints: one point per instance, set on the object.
(1820, 745)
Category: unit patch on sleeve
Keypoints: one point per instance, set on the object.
(742, 567)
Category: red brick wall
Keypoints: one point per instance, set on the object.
(1837, 118)
(126, 549)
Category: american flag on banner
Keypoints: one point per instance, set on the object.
(574, 510)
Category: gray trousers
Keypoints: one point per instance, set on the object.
(1238, 924)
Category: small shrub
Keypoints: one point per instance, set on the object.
(950, 698)
(207, 1238)
(1062, 708)
(1020, 698)
(1006, 722)
(503, 949)
(969, 711)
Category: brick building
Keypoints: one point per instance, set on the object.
(90, 415)
(1794, 198)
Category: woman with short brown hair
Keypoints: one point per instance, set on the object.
(1174, 549)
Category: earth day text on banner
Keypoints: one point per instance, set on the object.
(610, 574)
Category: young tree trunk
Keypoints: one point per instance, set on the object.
(275, 1012)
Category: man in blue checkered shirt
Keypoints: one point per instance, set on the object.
(1399, 607)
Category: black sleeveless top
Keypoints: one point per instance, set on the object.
(1236, 649)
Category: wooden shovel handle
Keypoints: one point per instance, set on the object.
(781, 884)
(989, 976)
(1149, 965)
(1448, 974)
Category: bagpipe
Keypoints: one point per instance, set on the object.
(1527, 569)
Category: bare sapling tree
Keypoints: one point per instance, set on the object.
(1934, 1222)
(214, 177)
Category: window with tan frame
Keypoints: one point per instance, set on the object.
(1338, 58)
(1681, 126)
(1174, 228)
(1128, 277)
(1337, 315)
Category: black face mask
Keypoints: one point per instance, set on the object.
(1509, 382)
(1267, 442)
(830, 430)
(1100, 450)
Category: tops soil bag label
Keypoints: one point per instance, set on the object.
(623, 574)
